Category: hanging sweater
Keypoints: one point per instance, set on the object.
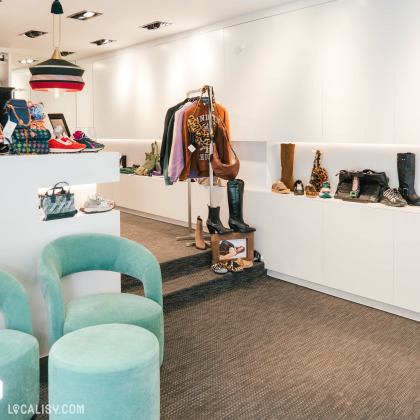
(176, 160)
(199, 159)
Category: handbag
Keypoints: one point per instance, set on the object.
(220, 169)
(17, 111)
(27, 141)
(57, 203)
(371, 184)
(319, 174)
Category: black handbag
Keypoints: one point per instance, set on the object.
(371, 185)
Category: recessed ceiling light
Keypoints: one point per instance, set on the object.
(66, 53)
(155, 25)
(84, 15)
(33, 34)
(27, 61)
(100, 42)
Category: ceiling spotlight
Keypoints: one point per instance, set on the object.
(84, 15)
(27, 61)
(155, 25)
(66, 53)
(33, 34)
(100, 42)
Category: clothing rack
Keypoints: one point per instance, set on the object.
(211, 105)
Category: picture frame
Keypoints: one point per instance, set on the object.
(222, 251)
(59, 119)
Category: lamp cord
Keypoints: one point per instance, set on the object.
(59, 31)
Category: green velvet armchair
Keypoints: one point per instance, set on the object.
(95, 251)
(19, 351)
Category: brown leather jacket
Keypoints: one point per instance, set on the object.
(199, 159)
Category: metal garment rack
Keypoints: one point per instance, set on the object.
(211, 106)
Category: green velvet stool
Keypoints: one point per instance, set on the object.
(19, 353)
(109, 371)
(94, 251)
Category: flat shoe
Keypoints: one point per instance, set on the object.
(280, 188)
(234, 267)
(311, 191)
(219, 268)
(244, 263)
(298, 188)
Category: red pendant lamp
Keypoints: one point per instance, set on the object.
(57, 75)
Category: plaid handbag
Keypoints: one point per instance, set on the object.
(57, 203)
(27, 141)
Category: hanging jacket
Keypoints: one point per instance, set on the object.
(176, 160)
(169, 114)
(199, 159)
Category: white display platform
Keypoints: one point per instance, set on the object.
(23, 235)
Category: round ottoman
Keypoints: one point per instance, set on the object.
(19, 374)
(108, 371)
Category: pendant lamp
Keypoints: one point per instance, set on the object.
(57, 75)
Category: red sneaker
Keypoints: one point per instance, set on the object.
(65, 145)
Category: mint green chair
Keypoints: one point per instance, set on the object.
(19, 352)
(95, 251)
(105, 372)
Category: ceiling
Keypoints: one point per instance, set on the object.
(120, 21)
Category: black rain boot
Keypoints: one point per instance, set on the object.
(406, 165)
(235, 189)
(214, 225)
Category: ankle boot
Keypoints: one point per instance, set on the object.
(287, 156)
(214, 225)
(235, 189)
(199, 237)
(406, 165)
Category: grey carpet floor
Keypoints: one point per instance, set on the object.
(158, 237)
(266, 349)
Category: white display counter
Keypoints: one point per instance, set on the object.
(23, 235)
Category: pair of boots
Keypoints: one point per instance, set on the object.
(406, 165)
(235, 191)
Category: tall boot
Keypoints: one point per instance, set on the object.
(214, 224)
(235, 190)
(199, 237)
(406, 165)
(287, 156)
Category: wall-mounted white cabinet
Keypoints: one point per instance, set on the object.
(127, 101)
(358, 76)
(294, 76)
(246, 80)
(407, 70)
(358, 250)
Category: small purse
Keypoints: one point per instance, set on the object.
(57, 203)
(319, 174)
(27, 141)
(17, 111)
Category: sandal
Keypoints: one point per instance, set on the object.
(244, 263)
(219, 268)
(234, 267)
(280, 188)
(298, 188)
(311, 191)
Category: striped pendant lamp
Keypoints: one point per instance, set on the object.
(57, 75)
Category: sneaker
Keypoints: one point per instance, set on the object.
(392, 197)
(280, 188)
(65, 145)
(96, 206)
(91, 145)
(298, 188)
(99, 197)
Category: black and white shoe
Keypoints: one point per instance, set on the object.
(392, 197)
(298, 188)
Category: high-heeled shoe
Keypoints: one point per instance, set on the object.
(214, 225)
